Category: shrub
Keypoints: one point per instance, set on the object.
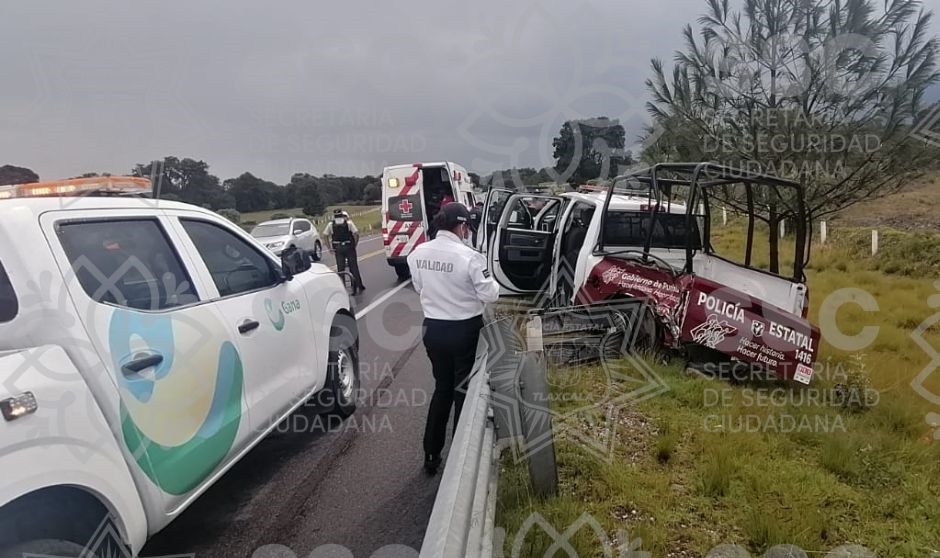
(231, 214)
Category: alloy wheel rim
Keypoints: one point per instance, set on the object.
(345, 376)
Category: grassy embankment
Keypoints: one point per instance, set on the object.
(709, 463)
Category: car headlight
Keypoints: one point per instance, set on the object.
(275, 245)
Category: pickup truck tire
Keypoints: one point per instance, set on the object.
(343, 380)
(649, 336)
(317, 253)
(45, 547)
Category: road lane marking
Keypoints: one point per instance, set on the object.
(364, 257)
(375, 303)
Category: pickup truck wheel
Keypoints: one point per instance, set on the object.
(317, 253)
(648, 337)
(45, 547)
(344, 382)
(343, 367)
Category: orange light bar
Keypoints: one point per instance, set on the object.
(77, 187)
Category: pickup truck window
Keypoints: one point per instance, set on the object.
(236, 266)
(128, 262)
(8, 303)
(270, 231)
(629, 228)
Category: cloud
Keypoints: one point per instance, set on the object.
(269, 88)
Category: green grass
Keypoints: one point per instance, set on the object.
(690, 473)
(365, 216)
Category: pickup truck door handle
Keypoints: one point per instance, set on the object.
(141, 363)
(248, 326)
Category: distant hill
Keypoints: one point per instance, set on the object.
(916, 207)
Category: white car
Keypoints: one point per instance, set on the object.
(145, 348)
(282, 234)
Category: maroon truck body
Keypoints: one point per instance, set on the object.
(695, 310)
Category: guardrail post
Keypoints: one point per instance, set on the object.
(534, 394)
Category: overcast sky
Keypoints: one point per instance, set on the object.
(319, 87)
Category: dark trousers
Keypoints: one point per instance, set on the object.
(451, 347)
(346, 257)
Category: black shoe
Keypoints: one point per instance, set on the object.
(431, 463)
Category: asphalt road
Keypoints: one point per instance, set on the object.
(314, 483)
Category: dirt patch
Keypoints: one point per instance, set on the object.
(914, 208)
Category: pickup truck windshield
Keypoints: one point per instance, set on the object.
(629, 228)
(267, 231)
(8, 303)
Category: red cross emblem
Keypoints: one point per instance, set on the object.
(405, 207)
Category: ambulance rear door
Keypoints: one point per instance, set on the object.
(403, 211)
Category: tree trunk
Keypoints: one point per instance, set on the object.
(774, 241)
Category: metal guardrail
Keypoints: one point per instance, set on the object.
(462, 521)
(507, 403)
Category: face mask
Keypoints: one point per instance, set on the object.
(339, 220)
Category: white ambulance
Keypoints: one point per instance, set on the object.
(411, 195)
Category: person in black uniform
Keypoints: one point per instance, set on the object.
(454, 285)
(341, 234)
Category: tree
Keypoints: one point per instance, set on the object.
(826, 92)
(586, 149)
(92, 175)
(10, 175)
(187, 180)
(372, 192)
(252, 193)
(475, 180)
(309, 198)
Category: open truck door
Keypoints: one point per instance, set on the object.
(522, 249)
(496, 199)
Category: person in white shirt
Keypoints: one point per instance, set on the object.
(454, 286)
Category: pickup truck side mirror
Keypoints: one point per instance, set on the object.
(293, 262)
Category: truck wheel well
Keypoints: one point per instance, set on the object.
(59, 512)
(344, 331)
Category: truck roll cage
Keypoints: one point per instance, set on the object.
(703, 182)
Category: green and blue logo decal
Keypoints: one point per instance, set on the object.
(180, 420)
(276, 315)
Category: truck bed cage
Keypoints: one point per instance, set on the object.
(778, 198)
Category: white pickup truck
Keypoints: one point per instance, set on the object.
(145, 347)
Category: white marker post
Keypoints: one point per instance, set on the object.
(874, 242)
(783, 228)
(724, 216)
(823, 232)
